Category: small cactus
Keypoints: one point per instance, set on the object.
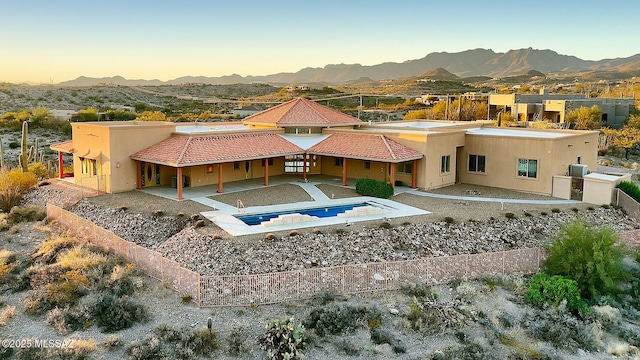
(23, 159)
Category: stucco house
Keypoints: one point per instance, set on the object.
(305, 138)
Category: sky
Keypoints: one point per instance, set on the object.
(44, 41)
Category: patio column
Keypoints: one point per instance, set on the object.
(139, 171)
(219, 178)
(266, 171)
(60, 165)
(179, 170)
(344, 171)
(304, 166)
(392, 176)
(414, 174)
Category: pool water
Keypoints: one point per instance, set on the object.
(321, 212)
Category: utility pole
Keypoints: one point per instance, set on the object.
(360, 107)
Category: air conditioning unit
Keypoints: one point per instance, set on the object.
(578, 170)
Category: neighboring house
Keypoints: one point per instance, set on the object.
(554, 107)
(303, 137)
(63, 115)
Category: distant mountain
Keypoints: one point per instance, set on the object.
(465, 64)
(439, 74)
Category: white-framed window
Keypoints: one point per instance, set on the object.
(404, 167)
(528, 168)
(89, 166)
(477, 163)
(367, 165)
(445, 164)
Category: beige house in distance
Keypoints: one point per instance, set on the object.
(305, 138)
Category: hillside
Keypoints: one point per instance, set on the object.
(468, 63)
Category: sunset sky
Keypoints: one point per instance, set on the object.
(52, 41)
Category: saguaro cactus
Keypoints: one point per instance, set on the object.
(1, 154)
(23, 159)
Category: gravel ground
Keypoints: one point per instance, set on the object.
(272, 195)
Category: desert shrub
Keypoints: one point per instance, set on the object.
(553, 290)
(13, 183)
(510, 216)
(149, 349)
(283, 339)
(39, 170)
(381, 336)
(419, 290)
(528, 214)
(340, 319)
(348, 348)
(592, 257)
(69, 319)
(561, 329)
(237, 341)
(80, 258)
(49, 249)
(543, 213)
(68, 289)
(6, 314)
(20, 214)
(555, 210)
(375, 188)
(430, 317)
(606, 315)
(385, 225)
(449, 220)
(113, 313)
(186, 343)
(7, 264)
(605, 206)
(630, 189)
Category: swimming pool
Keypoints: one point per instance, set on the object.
(320, 212)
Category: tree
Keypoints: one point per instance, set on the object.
(584, 118)
(627, 138)
(40, 115)
(88, 114)
(634, 120)
(152, 116)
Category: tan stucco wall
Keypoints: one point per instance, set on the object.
(554, 156)
(599, 191)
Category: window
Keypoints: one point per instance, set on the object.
(528, 168)
(157, 174)
(445, 164)
(295, 164)
(476, 163)
(339, 162)
(209, 169)
(89, 166)
(269, 161)
(367, 165)
(404, 167)
(236, 165)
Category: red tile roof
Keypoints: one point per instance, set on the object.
(180, 151)
(65, 146)
(301, 112)
(365, 147)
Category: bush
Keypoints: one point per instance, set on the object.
(510, 216)
(66, 320)
(27, 214)
(237, 341)
(375, 188)
(553, 290)
(561, 329)
(13, 183)
(113, 313)
(340, 319)
(283, 339)
(430, 317)
(630, 189)
(381, 336)
(591, 257)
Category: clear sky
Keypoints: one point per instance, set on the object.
(47, 40)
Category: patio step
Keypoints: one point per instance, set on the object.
(289, 219)
(362, 211)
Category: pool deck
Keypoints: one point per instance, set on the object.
(223, 215)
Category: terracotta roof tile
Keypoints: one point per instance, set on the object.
(302, 112)
(364, 146)
(194, 150)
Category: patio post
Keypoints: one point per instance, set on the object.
(60, 165)
(220, 178)
(414, 174)
(179, 183)
(304, 166)
(266, 171)
(392, 176)
(139, 171)
(344, 171)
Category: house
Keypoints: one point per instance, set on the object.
(305, 138)
(554, 107)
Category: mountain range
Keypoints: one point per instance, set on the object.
(469, 63)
